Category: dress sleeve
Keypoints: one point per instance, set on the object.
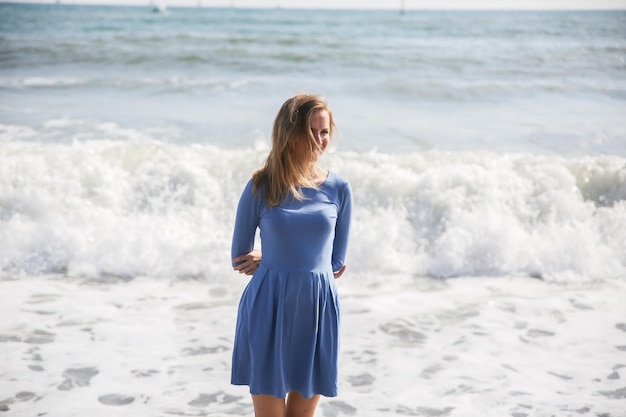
(342, 228)
(246, 222)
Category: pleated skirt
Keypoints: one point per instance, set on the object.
(287, 334)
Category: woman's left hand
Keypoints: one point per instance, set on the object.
(339, 273)
(248, 263)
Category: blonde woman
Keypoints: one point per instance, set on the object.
(287, 334)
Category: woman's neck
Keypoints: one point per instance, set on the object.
(317, 174)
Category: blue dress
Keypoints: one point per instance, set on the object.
(287, 333)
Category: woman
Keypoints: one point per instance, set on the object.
(287, 334)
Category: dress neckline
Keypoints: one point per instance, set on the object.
(325, 178)
(321, 182)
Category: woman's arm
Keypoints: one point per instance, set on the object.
(247, 264)
(342, 230)
(243, 256)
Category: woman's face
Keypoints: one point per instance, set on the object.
(320, 129)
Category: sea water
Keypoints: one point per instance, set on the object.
(486, 151)
(476, 142)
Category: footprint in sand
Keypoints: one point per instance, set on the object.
(144, 374)
(401, 330)
(79, 377)
(334, 408)
(424, 411)
(4, 338)
(613, 375)
(204, 400)
(615, 394)
(115, 399)
(539, 333)
(431, 370)
(203, 350)
(40, 337)
(361, 380)
(19, 397)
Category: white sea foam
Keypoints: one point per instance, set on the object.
(41, 82)
(144, 207)
(16, 132)
(126, 140)
(173, 84)
(466, 347)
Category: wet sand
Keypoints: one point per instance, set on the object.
(466, 347)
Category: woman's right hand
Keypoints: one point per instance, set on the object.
(247, 264)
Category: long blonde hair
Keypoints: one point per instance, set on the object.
(283, 173)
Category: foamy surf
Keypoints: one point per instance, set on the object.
(464, 347)
(143, 207)
(485, 149)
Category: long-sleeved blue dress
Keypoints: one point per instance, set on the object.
(287, 333)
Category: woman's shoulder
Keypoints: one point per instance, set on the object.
(254, 191)
(337, 180)
(249, 187)
(339, 183)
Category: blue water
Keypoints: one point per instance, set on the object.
(478, 143)
(545, 82)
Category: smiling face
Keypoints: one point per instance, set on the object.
(310, 147)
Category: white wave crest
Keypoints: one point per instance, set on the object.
(143, 207)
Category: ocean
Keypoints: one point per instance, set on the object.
(487, 155)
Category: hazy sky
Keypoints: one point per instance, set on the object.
(374, 4)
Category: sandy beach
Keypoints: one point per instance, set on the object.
(423, 347)
(487, 155)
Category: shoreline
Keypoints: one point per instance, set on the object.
(457, 347)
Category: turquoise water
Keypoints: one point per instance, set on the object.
(477, 143)
(487, 156)
(544, 82)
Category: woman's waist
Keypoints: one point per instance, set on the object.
(283, 265)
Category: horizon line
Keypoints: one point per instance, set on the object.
(199, 5)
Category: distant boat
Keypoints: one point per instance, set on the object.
(159, 7)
